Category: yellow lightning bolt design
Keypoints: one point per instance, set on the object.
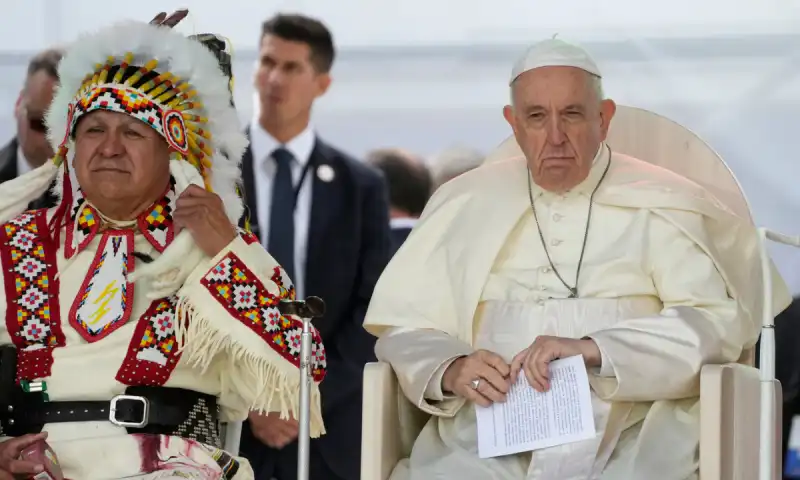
(108, 294)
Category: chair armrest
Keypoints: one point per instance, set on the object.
(390, 423)
(231, 436)
(730, 402)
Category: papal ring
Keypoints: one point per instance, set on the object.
(475, 383)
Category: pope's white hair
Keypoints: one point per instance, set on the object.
(186, 59)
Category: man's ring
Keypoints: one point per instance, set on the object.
(475, 383)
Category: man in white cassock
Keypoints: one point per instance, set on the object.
(571, 249)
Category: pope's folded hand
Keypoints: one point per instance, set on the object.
(535, 360)
(481, 377)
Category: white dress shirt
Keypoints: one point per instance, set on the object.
(262, 145)
(404, 222)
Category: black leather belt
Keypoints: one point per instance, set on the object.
(156, 410)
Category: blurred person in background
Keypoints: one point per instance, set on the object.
(452, 162)
(29, 148)
(410, 186)
(337, 248)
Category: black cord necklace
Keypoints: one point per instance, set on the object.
(573, 291)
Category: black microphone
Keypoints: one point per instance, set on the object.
(311, 307)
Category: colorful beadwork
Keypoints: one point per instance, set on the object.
(175, 131)
(121, 99)
(153, 352)
(33, 312)
(243, 295)
(84, 225)
(105, 299)
(248, 237)
(156, 223)
(31, 286)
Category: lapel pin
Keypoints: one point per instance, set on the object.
(325, 173)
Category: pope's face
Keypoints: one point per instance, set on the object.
(559, 121)
(122, 165)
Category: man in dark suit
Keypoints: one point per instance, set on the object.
(410, 186)
(324, 216)
(29, 148)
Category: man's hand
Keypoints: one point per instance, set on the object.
(272, 431)
(535, 360)
(203, 214)
(169, 21)
(10, 464)
(488, 368)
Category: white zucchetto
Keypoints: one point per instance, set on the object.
(554, 53)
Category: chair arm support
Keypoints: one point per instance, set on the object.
(390, 423)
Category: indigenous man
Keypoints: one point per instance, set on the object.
(569, 249)
(137, 315)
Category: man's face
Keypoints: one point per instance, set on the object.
(33, 103)
(559, 122)
(120, 161)
(286, 80)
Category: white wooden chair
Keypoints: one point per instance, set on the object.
(730, 395)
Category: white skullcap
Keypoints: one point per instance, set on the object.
(554, 53)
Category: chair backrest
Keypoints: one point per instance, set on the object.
(658, 140)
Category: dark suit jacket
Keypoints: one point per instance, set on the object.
(8, 161)
(8, 171)
(787, 364)
(399, 236)
(348, 248)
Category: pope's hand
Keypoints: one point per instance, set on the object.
(272, 431)
(535, 360)
(489, 369)
(203, 214)
(11, 466)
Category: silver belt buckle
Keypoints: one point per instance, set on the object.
(112, 414)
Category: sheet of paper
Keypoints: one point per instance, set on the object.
(530, 420)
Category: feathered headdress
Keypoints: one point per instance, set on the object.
(174, 84)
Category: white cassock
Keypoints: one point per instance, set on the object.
(661, 293)
(81, 328)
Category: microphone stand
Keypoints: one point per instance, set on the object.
(312, 307)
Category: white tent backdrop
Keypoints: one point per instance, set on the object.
(421, 78)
